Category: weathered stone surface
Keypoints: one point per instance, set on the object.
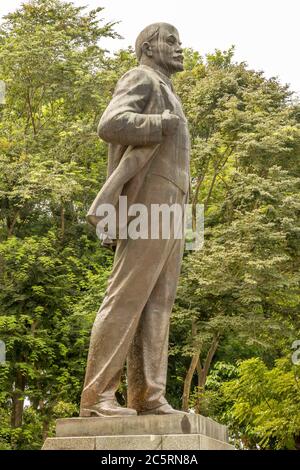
(150, 424)
(209, 427)
(69, 443)
(208, 443)
(138, 442)
(181, 441)
(166, 432)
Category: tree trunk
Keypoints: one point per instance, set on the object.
(195, 200)
(190, 373)
(203, 371)
(18, 401)
(12, 224)
(188, 382)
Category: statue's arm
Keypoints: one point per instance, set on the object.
(123, 121)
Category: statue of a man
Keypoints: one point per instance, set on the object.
(148, 162)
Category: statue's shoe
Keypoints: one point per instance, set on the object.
(165, 409)
(106, 408)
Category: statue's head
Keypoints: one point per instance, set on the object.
(159, 44)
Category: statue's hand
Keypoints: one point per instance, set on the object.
(169, 122)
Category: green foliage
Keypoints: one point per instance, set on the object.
(58, 82)
(238, 297)
(262, 404)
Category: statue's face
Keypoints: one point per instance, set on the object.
(167, 50)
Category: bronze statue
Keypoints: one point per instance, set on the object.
(149, 148)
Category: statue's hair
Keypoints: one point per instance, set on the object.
(148, 33)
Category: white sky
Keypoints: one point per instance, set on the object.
(265, 32)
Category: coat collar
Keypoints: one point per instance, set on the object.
(163, 78)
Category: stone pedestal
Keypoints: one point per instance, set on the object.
(167, 432)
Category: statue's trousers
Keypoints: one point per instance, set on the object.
(133, 320)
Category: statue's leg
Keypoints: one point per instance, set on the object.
(113, 330)
(136, 269)
(148, 355)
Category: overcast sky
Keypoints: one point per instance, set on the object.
(264, 32)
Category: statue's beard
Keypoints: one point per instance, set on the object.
(169, 63)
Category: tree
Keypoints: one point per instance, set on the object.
(245, 154)
(263, 405)
(53, 164)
